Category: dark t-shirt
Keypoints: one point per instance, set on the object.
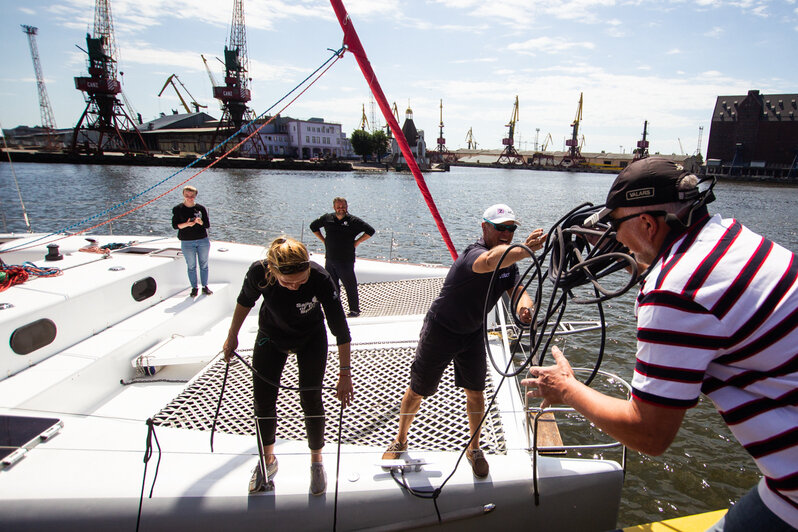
(287, 316)
(182, 214)
(339, 235)
(459, 307)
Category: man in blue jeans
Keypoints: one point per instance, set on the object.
(192, 224)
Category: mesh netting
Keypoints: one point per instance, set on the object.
(396, 298)
(380, 376)
(380, 380)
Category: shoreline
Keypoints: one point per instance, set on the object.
(26, 156)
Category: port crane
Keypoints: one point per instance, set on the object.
(698, 148)
(235, 94)
(642, 145)
(46, 110)
(510, 155)
(442, 153)
(541, 158)
(364, 121)
(104, 123)
(441, 140)
(573, 157)
(170, 81)
(470, 142)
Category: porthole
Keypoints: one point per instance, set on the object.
(33, 336)
(143, 289)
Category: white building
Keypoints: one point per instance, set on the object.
(306, 139)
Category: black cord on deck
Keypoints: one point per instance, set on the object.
(147, 455)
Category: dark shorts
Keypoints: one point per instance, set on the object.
(437, 346)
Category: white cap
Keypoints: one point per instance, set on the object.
(499, 214)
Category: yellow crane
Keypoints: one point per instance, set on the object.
(510, 155)
(364, 122)
(548, 140)
(472, 144)
(574, 155)
(170, 80)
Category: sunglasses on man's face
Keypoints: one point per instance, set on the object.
(296, 267)
(502, 227)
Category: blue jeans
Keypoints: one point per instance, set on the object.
(750, 515)
(194, 250)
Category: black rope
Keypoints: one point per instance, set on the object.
(219, 403)
(147, 455)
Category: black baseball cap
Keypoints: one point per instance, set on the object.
(649, 181)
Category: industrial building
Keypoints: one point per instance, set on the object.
(193, 133)
(754, 135)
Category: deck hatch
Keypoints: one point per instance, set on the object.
(381, 377)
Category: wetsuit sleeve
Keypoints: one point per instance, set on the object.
(333, 310)
(206, 221)
(249, 289)
(317, 224)
(176, 217)
(364, 227)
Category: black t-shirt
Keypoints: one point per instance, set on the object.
(182, 214)
(459, 307)
(339, 235)
(287, 316)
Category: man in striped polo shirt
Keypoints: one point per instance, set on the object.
(717, 313)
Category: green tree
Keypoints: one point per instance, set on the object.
(361, 143)
(380, 144)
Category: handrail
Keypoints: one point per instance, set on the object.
(536, 449)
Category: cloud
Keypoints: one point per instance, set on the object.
(547, 45)
(714, 33)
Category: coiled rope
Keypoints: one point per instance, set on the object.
(11, 275)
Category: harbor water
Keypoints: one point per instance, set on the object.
(705, 469)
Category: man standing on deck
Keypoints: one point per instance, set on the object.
(340, 239)
(717, 313)
(452, 329)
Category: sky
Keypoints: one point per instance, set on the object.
(661, 61)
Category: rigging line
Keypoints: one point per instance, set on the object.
(334, 58)
(14, 173)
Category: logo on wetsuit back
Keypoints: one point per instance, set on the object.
(307, 306)
(504, 275)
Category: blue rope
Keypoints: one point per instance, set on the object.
(336, 53)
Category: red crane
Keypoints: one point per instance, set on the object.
(235, 94)
(104, 124)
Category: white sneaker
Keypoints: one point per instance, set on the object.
(318, 478)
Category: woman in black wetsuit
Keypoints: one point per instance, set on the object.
(294, 291)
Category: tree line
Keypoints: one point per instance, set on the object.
(367, 144)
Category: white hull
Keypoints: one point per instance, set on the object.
(89, 475)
